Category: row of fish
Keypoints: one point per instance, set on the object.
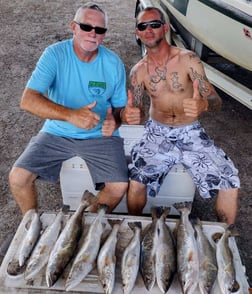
(202, 268)
(154, 251)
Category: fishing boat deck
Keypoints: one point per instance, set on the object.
(91, 284)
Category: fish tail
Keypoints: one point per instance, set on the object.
(233, 230)
(166, 211)
(113, 222)
(102, 206)
(195, 221)
(155, 212)
(65, 208)
(88, 197)
(133, 225)
(180, 206)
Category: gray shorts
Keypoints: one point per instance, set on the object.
(164, 146)
(104, 157)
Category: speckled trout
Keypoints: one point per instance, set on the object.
(33, 227)
(85, 259)
(226, 271)
(207, 260)
(131, 259)
(106, 261)
(187, 251)
(165, 251)
(147, 258)
(66, 244)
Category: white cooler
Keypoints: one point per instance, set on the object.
(75, 179)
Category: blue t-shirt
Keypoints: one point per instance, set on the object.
(70, 82)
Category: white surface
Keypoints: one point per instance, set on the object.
(91, 284)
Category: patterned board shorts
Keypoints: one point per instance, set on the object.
(162, 146)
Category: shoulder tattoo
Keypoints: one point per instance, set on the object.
(203, 88)
(137, 89)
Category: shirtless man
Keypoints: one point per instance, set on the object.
(179, 92)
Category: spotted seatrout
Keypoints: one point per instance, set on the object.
(147, 258)
(33, 227)
(131, 259)
(226, 271)
(106, 261)
(207, 260)
(41, 252)
(85, 259)
(66, 244)
(165, 251)
(187, 251)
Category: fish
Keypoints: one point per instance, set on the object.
(106, 260)
(207, 259)
(187, 251)
(131, 259)
(33, 227)
(85, 259)
(67, 242)
(226, 270)
(41, 252)
(165, 251)
(147, 256)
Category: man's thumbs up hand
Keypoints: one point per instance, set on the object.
(109, 124)
(194, 106)
(131, 114)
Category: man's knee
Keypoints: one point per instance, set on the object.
(116, 189)
(228, 195)
(19, 177)
(136, 188)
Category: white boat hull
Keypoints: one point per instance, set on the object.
(224, 26)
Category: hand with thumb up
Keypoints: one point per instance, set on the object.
(84, 117)
(194, 106)
(109, 124)
(131, 114)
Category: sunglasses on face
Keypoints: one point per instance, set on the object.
(88, 28)
(154, 24)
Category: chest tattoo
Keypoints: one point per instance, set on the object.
(156, 78)
(175, 80)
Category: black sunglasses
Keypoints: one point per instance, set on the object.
(89, 28)
(155, 24)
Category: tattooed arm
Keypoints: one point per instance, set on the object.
(132, 113)
(205, 96)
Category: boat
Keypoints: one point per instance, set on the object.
(216, 30)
